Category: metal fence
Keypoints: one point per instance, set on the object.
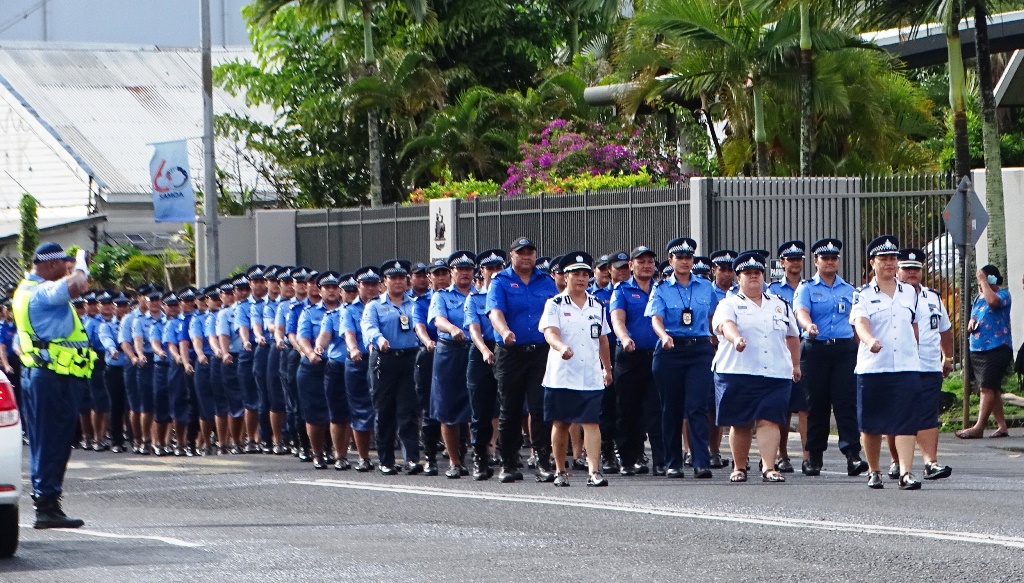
(599, 222)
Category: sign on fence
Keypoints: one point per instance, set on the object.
(442, 228)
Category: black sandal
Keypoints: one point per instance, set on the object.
(738, 476)
(773, 476)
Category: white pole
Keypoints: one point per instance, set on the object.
(212, 271)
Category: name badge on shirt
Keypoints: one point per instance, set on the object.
(595, 330)
(687, 317)
(842, 306)
(934, 320)
(403, 322)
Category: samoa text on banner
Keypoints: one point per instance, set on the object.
(173, 198)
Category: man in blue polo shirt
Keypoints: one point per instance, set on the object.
(515, 303)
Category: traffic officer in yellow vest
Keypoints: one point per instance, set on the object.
(56, 350)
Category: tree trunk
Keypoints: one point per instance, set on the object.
(373, 117)
(574, 34)
(958, 102)
(806, 93)
(760, 135)
(996, 233)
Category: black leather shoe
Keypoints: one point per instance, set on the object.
(280, 449)
(909, 482)
(158, 451)
(251, 447)
(507, 475)
(364, 466)
(894, 471)
(342, 464)
(304, 455)
(702, 473)
(544, 475)
(430, 468)
(659, 470)
(811, 466)
(783, 465)
(642, 469)
(413, 468)
(50, 515)
(688, 459)
(532, 462)
(875, 481)
(933, 471)
(717, 461)
(579, 464)
(388, 471)
(674, 473)
(481, 471)
(319, 463)
(453, 473)
(855, 466)
(610, 466)
(562, 480)
(597, 481)
(628, 470)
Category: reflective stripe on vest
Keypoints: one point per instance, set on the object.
(67, 356)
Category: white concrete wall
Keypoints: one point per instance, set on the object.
(237, 238)
(1013, 204)
(275, 237)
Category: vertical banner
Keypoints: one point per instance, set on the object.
(443, 221)
(173, 198)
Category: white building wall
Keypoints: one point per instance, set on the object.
(30, 160)
(1013, 204)
(168, 23)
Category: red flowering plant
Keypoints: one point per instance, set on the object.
(574, 150)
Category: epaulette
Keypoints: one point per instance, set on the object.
(558, 299)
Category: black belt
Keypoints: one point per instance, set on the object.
(690, 340)
(524, 347)
(455, 343)
(829, 342)
(399, 352)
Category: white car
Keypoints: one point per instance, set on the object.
(10, 468)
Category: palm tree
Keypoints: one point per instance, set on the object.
(996, 234)
(329, 10)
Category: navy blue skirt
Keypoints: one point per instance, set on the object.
(449, 396)
(572, 406)
(312, 396)
(741, 399)
(928, 400)
(357, 389)
(334, 389)
(887, 403)
(798, 397)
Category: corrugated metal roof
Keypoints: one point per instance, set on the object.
(106, 103)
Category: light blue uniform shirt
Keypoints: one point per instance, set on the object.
(420, 314)
(124, 331)
(451, 304)
(309, 323)
(382, 318)
(632, 299)
(669, 299)
(156, 332)
(227, 325)
(350, 322)
(197, 329)
(332, 324)
(829, 306)
(783, 290)
(269, 313)
(475, 310)
(49, 309)
(108, 332)
(141, 328)
(521, 303)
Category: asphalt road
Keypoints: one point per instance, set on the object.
(264, 518)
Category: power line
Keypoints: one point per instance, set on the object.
(10, 23)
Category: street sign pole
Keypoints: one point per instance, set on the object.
(965, 301)
(212, 239)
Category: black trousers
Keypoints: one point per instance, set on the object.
(519, 371)
(430, 431)
(831, 389)
(639, 407)
(113, 378)
(609, 416)
(483, 397)
(394, 398)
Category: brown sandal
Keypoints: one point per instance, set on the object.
(967, 434)
(999, 433)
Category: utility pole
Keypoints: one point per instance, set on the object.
(212, 251)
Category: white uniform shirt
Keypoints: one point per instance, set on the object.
(891, 321)
(581, 329)
(934, 321)
(764, 327)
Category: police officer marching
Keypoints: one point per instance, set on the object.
(480, 379)
(56, 351)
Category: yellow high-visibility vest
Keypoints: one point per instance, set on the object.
(67, 356)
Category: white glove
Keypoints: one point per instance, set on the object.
(80, 263)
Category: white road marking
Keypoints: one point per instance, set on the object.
(177, 542)
(969, 537)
